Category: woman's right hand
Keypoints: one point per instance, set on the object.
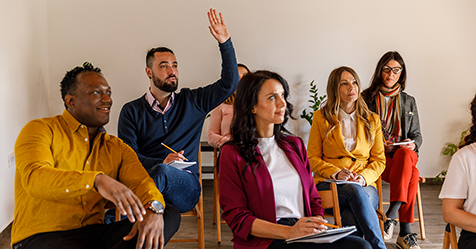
(345, 175)
(306, 226)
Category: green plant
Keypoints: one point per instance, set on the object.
(315, 101)
(450, 150)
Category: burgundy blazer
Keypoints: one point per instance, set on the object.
(246, 197)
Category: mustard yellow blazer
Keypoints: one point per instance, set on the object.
(328, 155)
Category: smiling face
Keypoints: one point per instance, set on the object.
(390, 78)
(91, 102)
(164, 72)
(270, 108)
(348, 89)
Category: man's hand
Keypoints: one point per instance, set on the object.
(125, 200)
(174, 157)
(217, 26)
(151, 231)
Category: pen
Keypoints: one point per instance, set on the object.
(328, 225)
(172, 150)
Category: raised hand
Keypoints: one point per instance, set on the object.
(217, 26)
(125, 200)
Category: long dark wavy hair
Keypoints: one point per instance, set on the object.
(243, 130)
(377, 81)
(471, 137)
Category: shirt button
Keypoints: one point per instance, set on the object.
(84, 203)
(86, 139)
(87, 185)
(82, 126)
(87, 162)
(67, 190)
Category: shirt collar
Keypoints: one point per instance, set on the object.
(343, 115)
(74, 124)
(152, 101)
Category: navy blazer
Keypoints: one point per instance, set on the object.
(247, 196)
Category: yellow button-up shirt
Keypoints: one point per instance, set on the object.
(54, 180)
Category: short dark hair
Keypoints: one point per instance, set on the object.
(244, 66)
(149, 58)
(70, 80)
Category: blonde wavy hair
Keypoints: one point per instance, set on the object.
(330, 110)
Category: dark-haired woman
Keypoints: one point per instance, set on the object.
(266, 189)
(459, 189)
(399, 116)
(220, 117)
(345, 143)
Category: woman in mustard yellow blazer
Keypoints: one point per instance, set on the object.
(345, 143)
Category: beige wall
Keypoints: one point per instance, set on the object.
(302, 40)
(23, 80)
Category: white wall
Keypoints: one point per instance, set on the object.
(23, 80)
(302, 40)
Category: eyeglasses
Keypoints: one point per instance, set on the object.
(395, 70)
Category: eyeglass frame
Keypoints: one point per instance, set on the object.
(388, 69)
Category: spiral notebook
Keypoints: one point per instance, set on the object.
(327, 236)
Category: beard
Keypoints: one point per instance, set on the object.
(164, 85)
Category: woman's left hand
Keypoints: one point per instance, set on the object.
(410, 146)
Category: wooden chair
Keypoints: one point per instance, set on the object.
(450, 237)
(196, 212)
(419, 206)
(381, 215)
(216, 195)
(331, 200)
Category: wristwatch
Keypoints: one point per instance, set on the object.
(155, 206)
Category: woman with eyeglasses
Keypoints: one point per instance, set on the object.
(345, 144)
(401, 130)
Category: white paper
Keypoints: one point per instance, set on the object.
(181, 165)
(402, 143)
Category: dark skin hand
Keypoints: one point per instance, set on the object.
(125, 200)
(151, 231)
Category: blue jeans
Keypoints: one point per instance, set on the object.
(357, 206)
(180, 188)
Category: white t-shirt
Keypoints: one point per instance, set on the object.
(460, 181)
(286, 181)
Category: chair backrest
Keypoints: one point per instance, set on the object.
(331, 200)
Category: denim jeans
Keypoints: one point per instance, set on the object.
(350, 241)
(357, 206)
(180, 188)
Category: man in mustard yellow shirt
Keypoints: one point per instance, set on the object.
(68, 168)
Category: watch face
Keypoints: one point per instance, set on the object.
(157, 207)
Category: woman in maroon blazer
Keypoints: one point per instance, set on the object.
(266, 189)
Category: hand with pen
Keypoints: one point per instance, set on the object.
(308, 225)
(174, 156)
(347, 175)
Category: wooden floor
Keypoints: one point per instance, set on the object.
(434, 223)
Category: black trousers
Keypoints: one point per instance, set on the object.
(467, 240)
(98, 235)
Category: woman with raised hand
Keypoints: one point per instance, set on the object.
(400, 123)
(266, 189)
(345, 143)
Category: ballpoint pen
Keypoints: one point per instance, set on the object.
(172, 150)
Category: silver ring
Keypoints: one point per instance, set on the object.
(308, 220)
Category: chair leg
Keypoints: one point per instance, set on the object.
(420, 214)
(216, 203)
(452, 237)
